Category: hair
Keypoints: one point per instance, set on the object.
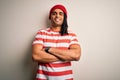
(64, 27)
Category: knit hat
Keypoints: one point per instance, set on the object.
(59, 6)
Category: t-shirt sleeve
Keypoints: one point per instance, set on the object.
(38, 38)
(74, 39)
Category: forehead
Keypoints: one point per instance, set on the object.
(57, 10)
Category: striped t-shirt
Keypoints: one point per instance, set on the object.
(59, 70)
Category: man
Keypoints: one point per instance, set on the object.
(55, 47)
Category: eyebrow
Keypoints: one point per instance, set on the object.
(56, 12)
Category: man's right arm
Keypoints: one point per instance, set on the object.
(39, 55)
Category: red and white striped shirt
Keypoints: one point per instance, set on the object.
(59, 70)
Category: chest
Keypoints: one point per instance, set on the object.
(57, 41)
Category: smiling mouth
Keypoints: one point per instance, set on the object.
(57, 20)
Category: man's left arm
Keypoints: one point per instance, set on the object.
(72, 54)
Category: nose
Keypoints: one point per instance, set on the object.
(57, 15)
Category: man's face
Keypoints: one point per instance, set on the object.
(57, 17)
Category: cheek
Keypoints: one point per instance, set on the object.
(52, 18)
(62, 19)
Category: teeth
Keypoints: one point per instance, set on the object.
(57, 19)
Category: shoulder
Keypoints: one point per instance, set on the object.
(43, 30)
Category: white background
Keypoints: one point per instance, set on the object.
(96, 22)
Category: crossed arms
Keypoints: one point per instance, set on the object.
(39, 54)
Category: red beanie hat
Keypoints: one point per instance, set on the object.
(59, 6)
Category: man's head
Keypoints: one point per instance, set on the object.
(58, 17)
(59, 6)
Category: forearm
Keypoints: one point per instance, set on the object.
(44, 57)
(66, 55)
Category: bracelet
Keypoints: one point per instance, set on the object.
(47, 49)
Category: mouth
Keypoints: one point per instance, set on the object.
(57, 20)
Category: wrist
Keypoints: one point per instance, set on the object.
(47, 49)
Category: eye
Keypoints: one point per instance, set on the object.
(61, 13)
(53, 13)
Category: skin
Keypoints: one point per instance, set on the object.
(71, 54)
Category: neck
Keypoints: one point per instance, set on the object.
(56, 28)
